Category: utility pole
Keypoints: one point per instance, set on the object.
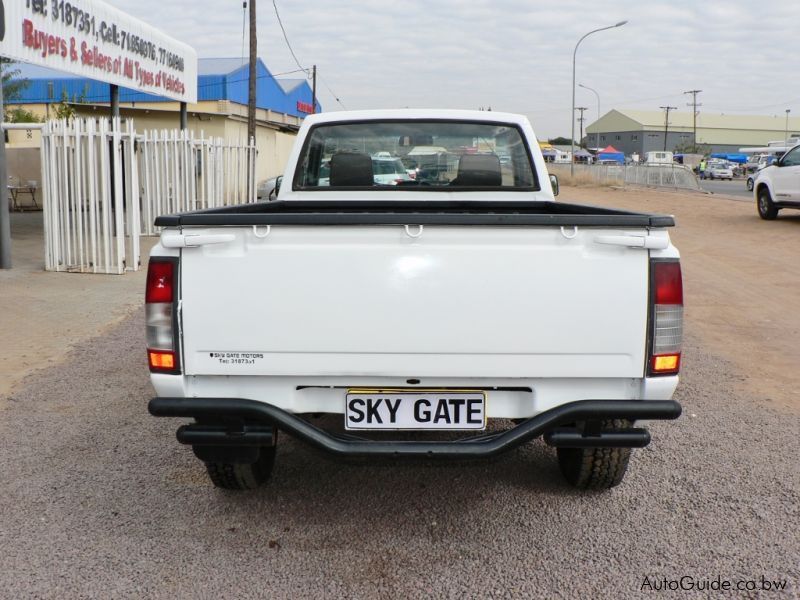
(694, 104)
(666, 110)
(314, 89)
(114, 93)
(786, 130)
(580, 120)
(5, 218)
(251, 91)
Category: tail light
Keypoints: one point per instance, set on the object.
(160, 301)
(666, 317)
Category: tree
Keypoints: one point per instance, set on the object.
(65, 110)
(20, 115)
(561, 141)
(692, 148)
(12, 84)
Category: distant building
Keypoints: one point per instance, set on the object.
(220, 111)
(639, 131)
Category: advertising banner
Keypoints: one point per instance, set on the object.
(91, 39)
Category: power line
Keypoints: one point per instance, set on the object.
(286, 38)
(335, 97)
(294, 56)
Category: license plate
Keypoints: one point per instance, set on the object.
(415, 410)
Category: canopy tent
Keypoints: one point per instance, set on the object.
(583, 154)
(548, 152)
(611, 153)
(737, 158)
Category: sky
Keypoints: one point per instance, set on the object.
(514, 56)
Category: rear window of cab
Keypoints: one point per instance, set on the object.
(415, 155)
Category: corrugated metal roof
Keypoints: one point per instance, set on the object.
(219, 66)
(27, 71)
(289, 84)
(654, 119)
(218, 79)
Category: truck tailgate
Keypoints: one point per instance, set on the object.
(472, 301)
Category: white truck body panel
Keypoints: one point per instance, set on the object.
(457, 302)
(294, 315)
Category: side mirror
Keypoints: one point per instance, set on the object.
(554, 184)
(274, 193)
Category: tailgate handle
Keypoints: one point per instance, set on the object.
(634, 241)
(190, 240)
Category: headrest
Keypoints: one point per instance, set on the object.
(351, 169)
(479, 170)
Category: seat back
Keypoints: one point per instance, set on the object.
(481, 170)
(351, 169)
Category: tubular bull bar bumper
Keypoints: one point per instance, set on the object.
(248, 423)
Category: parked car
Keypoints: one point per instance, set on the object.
(420, 320)
(389, 170)
(266, 189)
(719, 171)
(778, 186)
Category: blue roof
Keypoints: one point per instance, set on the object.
(219, 66)
(218, 79)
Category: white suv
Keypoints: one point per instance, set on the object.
(778, 185)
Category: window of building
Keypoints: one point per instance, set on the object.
(619, 137)
(634, 138)
(602, 138)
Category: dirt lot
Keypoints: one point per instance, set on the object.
(44, 314)
(98, 499)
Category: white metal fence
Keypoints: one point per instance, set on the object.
(103, 186)
(671, 176)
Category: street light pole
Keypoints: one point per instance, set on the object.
(586, 87)
(572, 111)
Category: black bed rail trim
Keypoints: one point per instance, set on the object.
(520, 213)
(548, 422)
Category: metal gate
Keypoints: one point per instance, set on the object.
(104, 185)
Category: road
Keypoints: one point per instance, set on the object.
(100, 501)
(735, 188)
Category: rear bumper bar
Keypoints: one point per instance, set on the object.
(242, 419)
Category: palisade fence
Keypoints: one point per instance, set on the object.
(104, 185)
(669, 176)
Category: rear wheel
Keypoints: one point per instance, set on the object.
(749, 184)
(766, 207)
(595, 468)
(242, 476)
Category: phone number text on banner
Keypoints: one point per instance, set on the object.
(91, 39)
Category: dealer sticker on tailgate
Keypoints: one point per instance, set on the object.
(418, 409)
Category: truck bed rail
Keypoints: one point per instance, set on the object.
(417, 213)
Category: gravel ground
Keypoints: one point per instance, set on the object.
(99, 500)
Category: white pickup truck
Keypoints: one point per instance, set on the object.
(777, 186)
(457, 314)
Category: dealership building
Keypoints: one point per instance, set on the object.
(220, 110)
(639, 131)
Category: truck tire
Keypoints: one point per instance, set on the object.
(595, 468)
(242, 476)
(766, 207)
